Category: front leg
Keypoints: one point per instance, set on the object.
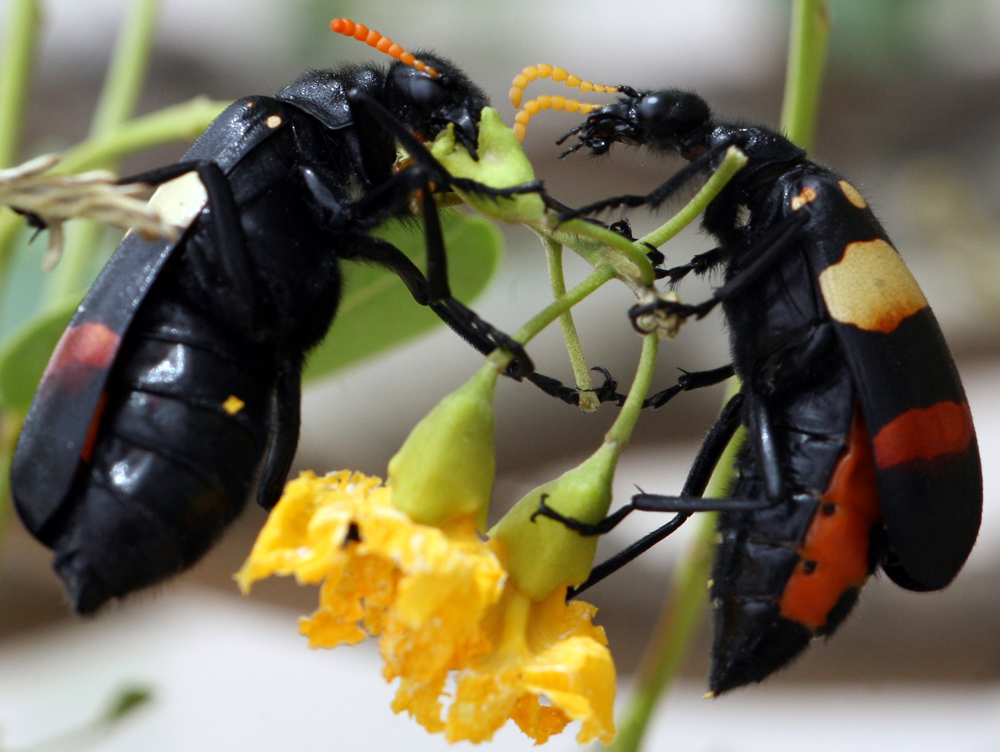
(658, 195)
(766, 252)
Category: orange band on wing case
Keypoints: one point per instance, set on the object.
(924, 434)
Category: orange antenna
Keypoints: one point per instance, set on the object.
(383, 44)
(544, 70)
(533, 106)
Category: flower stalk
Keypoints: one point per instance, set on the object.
(544, 554)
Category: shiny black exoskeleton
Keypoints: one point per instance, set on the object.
(861, 453)
(175, 391)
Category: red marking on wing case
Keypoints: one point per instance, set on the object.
(924, 434)
(81, 350)
(87, 452)
(835, 549)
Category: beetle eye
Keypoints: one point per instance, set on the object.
(652, 110)
(426, 93)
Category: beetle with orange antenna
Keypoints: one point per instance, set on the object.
(175, 390)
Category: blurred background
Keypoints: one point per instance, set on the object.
(910, 114)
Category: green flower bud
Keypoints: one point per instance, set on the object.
(444, 470)
(502, 164)
(544, 554)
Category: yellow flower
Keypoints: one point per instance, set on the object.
(443, 606)
(547, 649)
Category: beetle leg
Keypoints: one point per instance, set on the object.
(606, 392)
(769, 249)
(764, 445)
(658, 195)
(700, 473)
(230, 242)
(700, 264)
(688, 382)
(286, 410)
(440, 292)
(433, 289)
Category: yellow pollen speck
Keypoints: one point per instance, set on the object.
(273, 121)
(808, 195)
(871, 288)
(852, 194)
(233, 404)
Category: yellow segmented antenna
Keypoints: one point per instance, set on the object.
(545, 102)
(383, 44)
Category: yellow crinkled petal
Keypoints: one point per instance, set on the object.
(306, 531)
(578, 677)
(423, 589)
(442, 603)
(548, 649)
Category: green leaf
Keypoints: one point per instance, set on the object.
(378, 312)
(127, 701)
(25, 353)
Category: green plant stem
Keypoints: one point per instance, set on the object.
(599, 245)
(177, 123)
(17, 61)
(600, 275)
(806, 64)
(122, 86)
(730, 165)
(681, 614)
(183, 122)
(588, 400)
(10, 427)
(556, 308)
(621, 429)
(127, 70)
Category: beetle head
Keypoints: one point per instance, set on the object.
(428, 104)
(669, 120)
(425, 91)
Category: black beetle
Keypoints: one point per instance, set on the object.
(861, 451)
(175, 389)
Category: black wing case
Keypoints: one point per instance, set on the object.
(926, 457)
(62, 421)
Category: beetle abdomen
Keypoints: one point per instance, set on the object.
(788, 590)
(176, 456)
